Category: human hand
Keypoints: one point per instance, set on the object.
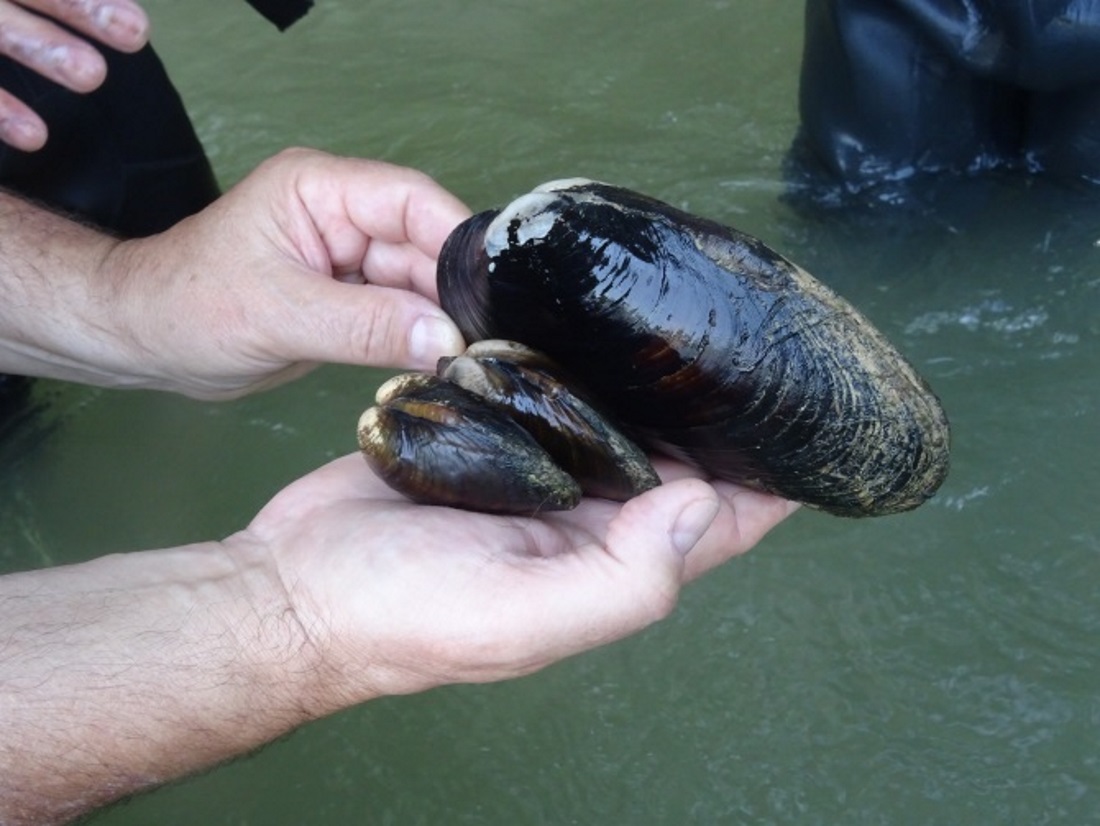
(394, 597)
(29, 35)
(311, 258)
(173, 660)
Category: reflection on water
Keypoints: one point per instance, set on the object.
(929, 668)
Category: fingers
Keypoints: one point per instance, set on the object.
(409, 207)
(40, 44)
(743, 519)
(383, 221)
(606, 590)
(656, 543)
(120, 24)
(19, 125)
(328, 321)
(273, 256)
(357, 220)
(509, 596)
(34, 40)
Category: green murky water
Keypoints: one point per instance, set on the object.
(937, 667)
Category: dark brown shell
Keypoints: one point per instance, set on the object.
(532, 391)
(438, 444)
(710, 345)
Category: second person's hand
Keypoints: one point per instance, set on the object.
(29, 35)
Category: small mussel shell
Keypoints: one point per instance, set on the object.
(438, 444)
(712, 346)
(532, 391)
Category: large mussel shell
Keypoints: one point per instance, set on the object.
(710, 344)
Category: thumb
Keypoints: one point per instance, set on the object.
(367, 324)
(693, 520)
(662, 525)
(606, 591)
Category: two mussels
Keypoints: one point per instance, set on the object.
(699, 340)
(498, 429)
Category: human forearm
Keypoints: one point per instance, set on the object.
(124, 672)
(56, 298)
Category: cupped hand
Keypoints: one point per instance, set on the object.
(395, 597)
(311, 258)
(29, 35)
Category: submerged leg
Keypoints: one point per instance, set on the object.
(881, 99)
(1063, 136)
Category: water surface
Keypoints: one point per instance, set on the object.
(936, 667)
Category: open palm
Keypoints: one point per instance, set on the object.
(400, 597)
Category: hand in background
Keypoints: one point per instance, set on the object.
(29, 35)
(311, 258)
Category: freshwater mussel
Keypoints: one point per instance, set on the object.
(697, 339)
(499, 428)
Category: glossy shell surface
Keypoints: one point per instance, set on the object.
(533, 392)
(704, 343)
(438, 444)
(498, 429)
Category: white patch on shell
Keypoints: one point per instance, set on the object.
(532, 216)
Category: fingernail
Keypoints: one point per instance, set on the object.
(692, 523)
(431, 338)
(125, 24)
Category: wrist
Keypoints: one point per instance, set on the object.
(290, 644)
(280, 650)
(57, 301)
